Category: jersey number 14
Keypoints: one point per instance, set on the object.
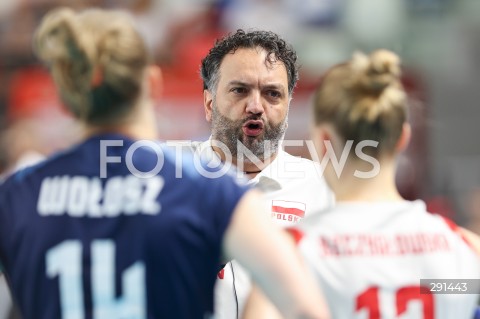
(65, 261)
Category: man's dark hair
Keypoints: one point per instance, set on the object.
(277, 50)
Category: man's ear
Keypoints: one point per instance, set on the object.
(404, 138)
(208, 104)
(155, 81)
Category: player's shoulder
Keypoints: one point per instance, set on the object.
(182, 163)
(13, 182)
(420, 215)
(363, 215)
(26, 173)
(189, 161)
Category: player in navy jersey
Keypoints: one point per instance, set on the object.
(117, 226)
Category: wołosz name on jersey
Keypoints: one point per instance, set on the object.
(82, 196)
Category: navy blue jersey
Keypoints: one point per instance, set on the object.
(83, 236)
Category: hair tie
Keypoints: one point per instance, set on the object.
(97, 77)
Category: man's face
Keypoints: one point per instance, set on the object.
(251, 103)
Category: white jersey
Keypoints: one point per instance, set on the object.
(369, 259)
(293, 189)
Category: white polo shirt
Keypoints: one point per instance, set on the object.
(293, 188)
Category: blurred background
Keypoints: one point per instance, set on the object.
(439, 41)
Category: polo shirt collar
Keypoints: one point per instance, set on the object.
(267, 180)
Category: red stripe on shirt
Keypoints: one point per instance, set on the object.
(456, 229)
(221, 274)
(288, 210)
(296, 234)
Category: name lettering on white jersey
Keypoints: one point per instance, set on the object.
(382, 245)
(81, 196)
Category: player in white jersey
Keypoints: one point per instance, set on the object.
(369, 259)
(371, 251)
(249, 79)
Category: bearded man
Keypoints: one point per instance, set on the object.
(248, 81)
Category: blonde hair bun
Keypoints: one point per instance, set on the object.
(375, 72)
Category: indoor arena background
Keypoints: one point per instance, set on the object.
(438, 40)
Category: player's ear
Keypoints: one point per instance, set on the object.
(321, 136)
(208, 104)
(404, 138)
(155, 81)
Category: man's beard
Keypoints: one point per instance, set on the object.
(229, 132)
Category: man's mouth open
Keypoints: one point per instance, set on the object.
(253, 128)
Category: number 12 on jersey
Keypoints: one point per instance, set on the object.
(65, 261)
(369, 300)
